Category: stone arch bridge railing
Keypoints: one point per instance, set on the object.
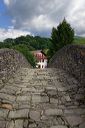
(10, 61)
(71, 58)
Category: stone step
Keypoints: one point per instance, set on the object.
(36, 98)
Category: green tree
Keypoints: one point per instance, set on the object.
(61, 36)
(25, 51)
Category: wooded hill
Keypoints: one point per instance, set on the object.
(33, 43)
(25, 44)
(28, 43)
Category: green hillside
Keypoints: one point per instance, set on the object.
(34, 43)
(79, 40)
(25, 44)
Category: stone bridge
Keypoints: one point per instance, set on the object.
(34, 98)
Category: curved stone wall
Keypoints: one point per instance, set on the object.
(72, 59)
(10, 61)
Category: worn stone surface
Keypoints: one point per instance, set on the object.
(10, 124)
(3, 113)
(3, 124)
(53, 112)
(82, 125)
(18, 124)
(36, 98)
(59, 126)
(35, 115)
(74, 120)
(10, 62)
(22, 113)
(72, 59)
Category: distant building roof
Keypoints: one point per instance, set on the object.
(39, 54)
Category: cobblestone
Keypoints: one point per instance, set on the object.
(23, 113)
(36, 98)
(59, 126)
(35, 115)
(53, 112)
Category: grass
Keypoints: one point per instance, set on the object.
(79, 40)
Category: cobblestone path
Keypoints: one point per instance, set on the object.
(36, 98)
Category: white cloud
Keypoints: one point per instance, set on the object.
(11, 33)
(40, 16)
(76, 16)
(7, 2)
(42, 22)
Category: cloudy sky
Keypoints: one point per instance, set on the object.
(37, 17)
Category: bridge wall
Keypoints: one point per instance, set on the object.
(72, 59)
(10, 62)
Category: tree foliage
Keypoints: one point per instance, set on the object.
(25, 51)
(61, 36)
(25, 44)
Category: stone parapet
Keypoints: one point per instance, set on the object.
(10, 62)
(71, 58)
